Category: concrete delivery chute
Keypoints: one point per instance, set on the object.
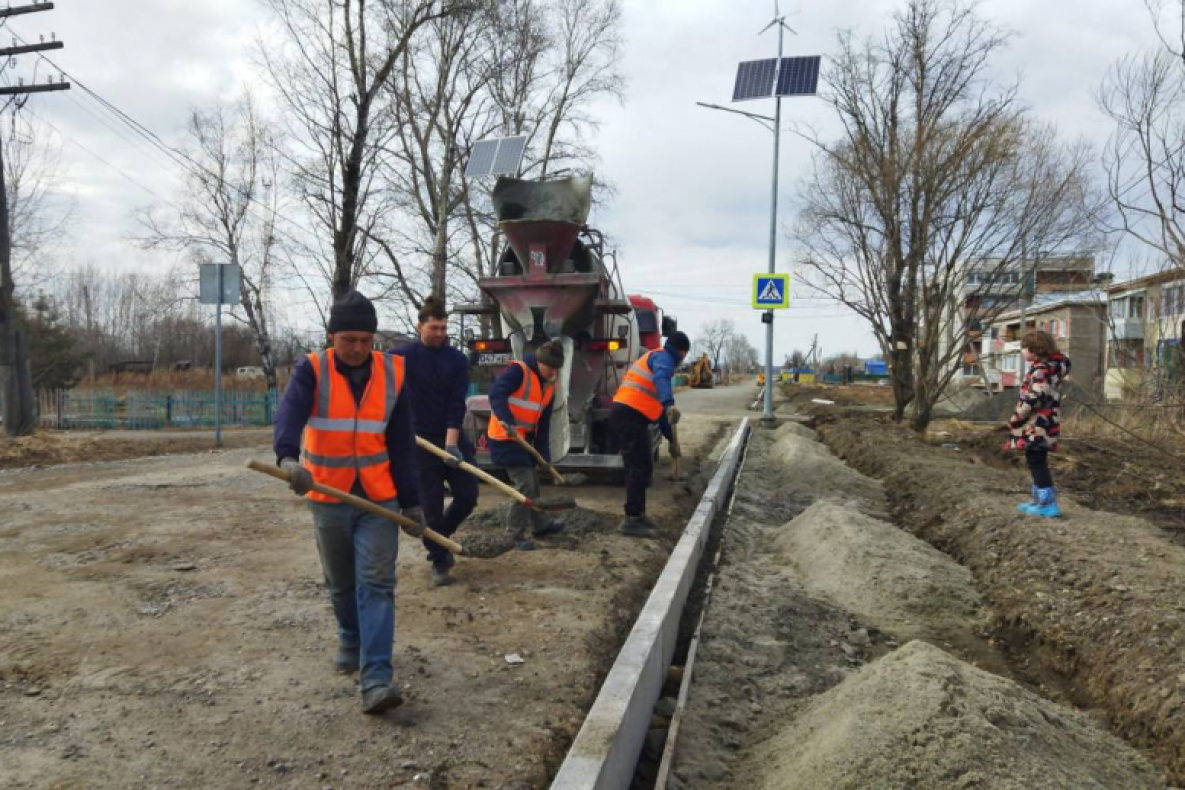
(556, 281)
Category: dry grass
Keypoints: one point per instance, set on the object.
(180, 380)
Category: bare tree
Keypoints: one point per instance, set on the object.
(331, 71)
(553, 59)
(741, 356)
(936, 174)
(229, 210)
(442, 106)
(714, 337)
(1144, 95)
(39, 212)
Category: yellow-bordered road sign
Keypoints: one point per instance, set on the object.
(771, 291)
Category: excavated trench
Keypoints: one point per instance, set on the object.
(839, 651)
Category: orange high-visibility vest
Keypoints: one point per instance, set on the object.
(637, 390)
(526, 404)
(344, 441)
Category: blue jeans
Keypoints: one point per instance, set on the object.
(358, 552)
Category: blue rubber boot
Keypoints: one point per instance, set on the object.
(1028, 507)
(1046, 504)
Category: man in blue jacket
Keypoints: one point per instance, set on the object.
(438, 380)
(329, 394)
(520, 402)
(644, 398)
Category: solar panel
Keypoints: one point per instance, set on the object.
(481, 158)
(755, 79)
(509, 156)
(499, 156)
(798, 76)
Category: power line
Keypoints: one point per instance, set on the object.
(177, 156)
(130, 178)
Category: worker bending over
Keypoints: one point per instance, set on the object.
(358, 437)
(520, 405)
(645, 397)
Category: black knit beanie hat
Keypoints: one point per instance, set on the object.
(353, 313)
(679, 342)
(550, 354)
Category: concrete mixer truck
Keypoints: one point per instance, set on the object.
(556, 281)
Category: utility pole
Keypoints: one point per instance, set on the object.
(16, 382)
(767, 415)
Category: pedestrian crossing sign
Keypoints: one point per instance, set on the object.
(771, 291)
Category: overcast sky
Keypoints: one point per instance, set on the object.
(692, 211)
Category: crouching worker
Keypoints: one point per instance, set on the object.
(520, 402)
(644, 398)
(358, 437)
(1036, 423)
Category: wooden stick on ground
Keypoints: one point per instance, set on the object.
(361, 504)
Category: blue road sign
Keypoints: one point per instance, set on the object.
(771, 291)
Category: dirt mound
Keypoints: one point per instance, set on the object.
(878, 572)
(790, 428)
(797, 463)
(1089, 605)
(921, 718)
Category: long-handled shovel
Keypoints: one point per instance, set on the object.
(361, 504)
(678, 450)
(539, 459)
(542, 506)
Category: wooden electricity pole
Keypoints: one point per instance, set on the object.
(16, 382)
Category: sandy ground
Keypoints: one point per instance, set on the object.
(801, 681)
(164, 624)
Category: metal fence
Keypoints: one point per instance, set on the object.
(150, 409)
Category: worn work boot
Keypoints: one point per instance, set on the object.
(555, 527)
(523, 542)
(1027, 507)
(440, 571)
(345, 660)
(441, 576)
(638, 527)
(1046, 504)
(381, 698)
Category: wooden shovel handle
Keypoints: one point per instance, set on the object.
(361, 504)
(444, 455)
(540, 459)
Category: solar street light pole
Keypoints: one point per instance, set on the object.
(767, 417)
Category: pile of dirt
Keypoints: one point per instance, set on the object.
(921, 718)
(767, 645)
(768, 648)
(1090, 604)
(878, 572)
(803, 470)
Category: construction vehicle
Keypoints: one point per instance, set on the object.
(700, 375)
(556, 281)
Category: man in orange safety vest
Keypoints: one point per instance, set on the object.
(645, 397)
(349, 405)
(520, 403)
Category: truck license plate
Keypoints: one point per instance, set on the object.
(493, 359)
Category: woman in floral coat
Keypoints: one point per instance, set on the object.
(1036, 423)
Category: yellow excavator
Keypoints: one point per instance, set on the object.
(700, 376)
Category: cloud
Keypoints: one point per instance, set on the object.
(692, 209)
